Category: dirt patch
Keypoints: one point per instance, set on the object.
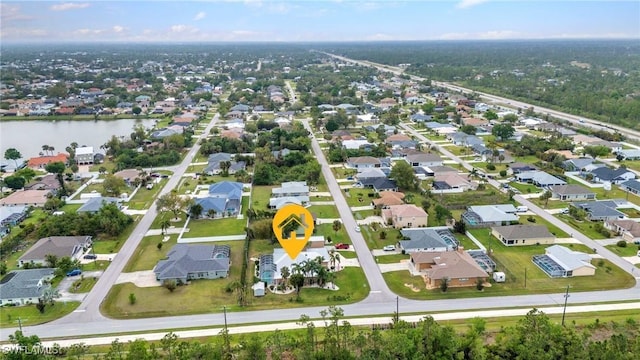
(412, 287)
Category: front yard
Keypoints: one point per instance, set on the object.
(29, 315)
(216, 227)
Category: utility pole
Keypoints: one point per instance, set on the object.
(397, 309)
(566, 297)
(525, 277)
(20, 324)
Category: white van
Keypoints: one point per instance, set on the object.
(522, 209)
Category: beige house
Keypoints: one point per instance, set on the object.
(628, 229)
(35, 198)
(457, 266)
(559, 261)
(520, 235)
(405, 216)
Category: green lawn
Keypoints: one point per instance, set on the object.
(145, 197)
(373, 237)
(83, 285)
(525, 188)
(260, 197)
(106, 246)
(196, 168)
(632, 213)
(585, 226)
(341, 172)
(70, 208)
(359, 197)
(348, 254)
(216, 227)
(324, 211)
(29, 315)
(326, 230)
(540, 221)
(363, 214)
(169, 215)
(465, 241)
(147, 253)
(629, 250)
(551, 204)
(499, 167)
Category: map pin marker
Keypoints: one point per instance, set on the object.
(293, 226)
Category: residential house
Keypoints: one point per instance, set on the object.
(614, 176)
(363, 162)
(517, 168)
(11, 216)
(630, 154)
(191, 262)
(163, 133)
(214, 160)
(559, 261)
(430, 239)
(420, 118)
(629, 230)
(520, 235)
(128, 175)
(352, 144)
(369, 173)
(35, 198)
(404, 216)
(10, 166)
(463, 139)
(539, 178)
(632, 186)
(48, 182)
(271, 264)
(84, 155)
(38, 163)
(22, 287)
(59, 246)
(457, 267)
(423, 159)
(490, 215)
(378, 184)
(571, 193)
(93, 205)
(387, 199)
(452, 181)
(224, 198)
(600, 210)
(578, 164)
(293, 192)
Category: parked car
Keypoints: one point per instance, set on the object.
(357, 228)
(74, 272)
(389, 248)
(90, 257)
(342, 246)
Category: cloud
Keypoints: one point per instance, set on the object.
(69, 6)
(199, 16)
(465, 4)
(118, 29)
(379, 37)
(183, 29)
(487, 35)
(12, 13)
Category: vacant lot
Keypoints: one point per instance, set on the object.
(29, 315)
(148, 254)
(216, 227)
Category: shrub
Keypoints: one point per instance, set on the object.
(531, 219)
(491, 167)
(132, 298)
(503, 173)
(622, 244)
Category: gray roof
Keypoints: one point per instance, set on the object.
(20, 284)
(512, 232)
(93, 205)
(568, 259)
(600, 209)
(632, 184)
(291, 187)
(184, 259)
(59, 246)
(423, 157)
(607, 174)
(495, 213)
(540, 178)
(428, 238)
(570, 190)
(578, 164)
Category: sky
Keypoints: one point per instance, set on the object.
(304, 21)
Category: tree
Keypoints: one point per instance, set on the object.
(113, 186)
(468, 129)
(40, 305)
(3, 268)
(58, 168)
(285, 273)
(51, 260)
(404, 176)
(132, 298)
(27, 173)
(337, 225)
(332, 125)
(510, 118)
(136, 110)
(170, 285)
(224, 167)
(195, 211)
(171, 201)
(444, 284)
(460, 227)
(297, 280)
(545, 197)
(490, 115)
(13, 154)
(14, 182)
(164, 225)
(49, 295)
(503, 131)
(442, 213)
(596, 151)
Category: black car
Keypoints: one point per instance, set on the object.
(90, 257)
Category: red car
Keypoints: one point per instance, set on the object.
(342, 246)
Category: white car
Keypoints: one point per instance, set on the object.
(357, 228)
(389, 248)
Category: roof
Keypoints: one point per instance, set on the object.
(540, 177)
(512, 232)
(606, 174)
(217, 157)
(522, 167)
(388, 198)
(128, 174)
(59, 246)
(20, 284)
(291, 187)
(95, 204)
(282, 259)
(629, 226)
(568, 259)
(408, 210)
(449, 264)
(428, 238)
(282, 201)
(364, 160)
(630, 153)
(47, 182)
(632, 184)
(570, 189)
(85, 150)
(183, 259)
(579, 163)
(7, 212)
(226, 189)
(494, 213)
(452, 179)
(371, 173)
(379, 183)
(44, 160)
(423, 157)
(600, 209)
(21, 197)
(397, 137)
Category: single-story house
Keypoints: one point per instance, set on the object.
(571, 193)
(271, 264)
(539, 178)
(427, 239)
(490, 215)
(379, 184)
(59, 246)
(629, 154)
(188, 262)
(292, 192)
(577, 164)
(463, 139)
(423, 159)
(632, 186)
(355, 144)
(370, 174)
(614, 176)
(47, 182)
(388, 198)
(163, 133)
(214, 160)
(458, 267)
(13, 215)
(628, 229)
(405, 216)
(363, 162)
(22, 287)
(93, 205)
(600, 210)
(37, 163)
(35, 198)
(224, 198)
(559, 261)
(519, 235)
(450, 181)
(517, 168)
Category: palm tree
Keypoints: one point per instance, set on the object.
(49, 295)
(285, 273)
(195, 211)
(45, 148)
(224, 166)
(164, 225)
(51, 149)
(211, 213)
(333, 258)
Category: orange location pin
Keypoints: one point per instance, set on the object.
(293, 226)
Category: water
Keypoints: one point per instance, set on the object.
(28, 136)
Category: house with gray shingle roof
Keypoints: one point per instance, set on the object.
(22, 287)
(93, 205)
(539, 178)
(59, 246)
(428, 239)
(571, 193)
(632, 186)
(214, 160)
(614, 176)
(191, 262)
(601, 210)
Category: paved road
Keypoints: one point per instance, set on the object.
(89, 309)
(594, 124)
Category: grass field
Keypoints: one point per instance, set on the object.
(585, 226)
(629, 250)
(339, 236)
(147, 253)
(83, 285)
(373, 239)
(260, 197)
(391, 259)
(359, 197)
(29, 315)
(324, 211)
(145, 197)
(216, 227)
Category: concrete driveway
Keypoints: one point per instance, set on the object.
(65, 285)
(394, 267)
(146, 278)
